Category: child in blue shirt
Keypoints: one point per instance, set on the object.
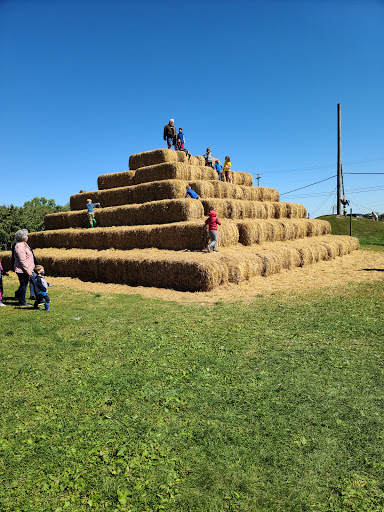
(219, 169)
(41, 288)
(91, 213)
(191, 193)
(180, 143)
(180, 139)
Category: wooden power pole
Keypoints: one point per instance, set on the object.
(338, 159)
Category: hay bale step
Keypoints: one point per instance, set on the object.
(189, 271)
(158, 172)
(243, 209)
(156, 156)
(158, 212)
(258, 231)
(167, 171)
(171, 189)
(116, 179)
(191, 235)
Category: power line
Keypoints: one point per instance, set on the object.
(325, 166)
(325, 200)
(311, 185)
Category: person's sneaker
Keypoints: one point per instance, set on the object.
(1, 304)
(209, 248)
(215, 250)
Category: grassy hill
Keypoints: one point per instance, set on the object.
(366, 230)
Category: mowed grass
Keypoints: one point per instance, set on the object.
(367, 231)
(122, 403)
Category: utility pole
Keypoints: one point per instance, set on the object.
(258, 179)
(338, 159)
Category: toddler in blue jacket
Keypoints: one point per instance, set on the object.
(41, 288)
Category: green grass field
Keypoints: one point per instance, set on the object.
(366, 230)
(121, 403)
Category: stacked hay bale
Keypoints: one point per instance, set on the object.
(149, 233)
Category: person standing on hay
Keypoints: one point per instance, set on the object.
(212, 222)
(191, 193)
(91, 213)
(170, 134)
(227, 169)
(208, 157)
(218, 168)
(180, 141)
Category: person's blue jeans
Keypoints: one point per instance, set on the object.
(20, 292)
(213, 236)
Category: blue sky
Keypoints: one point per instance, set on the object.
(86, 83)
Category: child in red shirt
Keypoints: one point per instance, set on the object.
(212, 222)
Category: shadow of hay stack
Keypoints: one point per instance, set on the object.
(148, 233)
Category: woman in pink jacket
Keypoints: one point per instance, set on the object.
(24, 263)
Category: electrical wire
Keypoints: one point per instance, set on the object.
(322, 204)
(360, 205)
(311, 185)
(325, 166)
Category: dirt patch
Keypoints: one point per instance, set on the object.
(359, 266)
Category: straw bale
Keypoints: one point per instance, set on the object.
(193, 271)
(296, 211)
(317, 227)
(258, 231)
(193, 161)
(235, 209)
(171, 189)
(154, 157)
(279, 258)
(143, 193)
(217, 189)
(200, 161)
(179, 171)
(259, 193)
(238, 269)
(315, 252)
(159, 212)
(191, 235)
(182, 157)
(147, 267)
(116, 179)
(243, 209)
(268, 194)
(242, 178)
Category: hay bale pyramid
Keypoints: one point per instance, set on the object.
(149, 234)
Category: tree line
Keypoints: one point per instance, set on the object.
(29, 216)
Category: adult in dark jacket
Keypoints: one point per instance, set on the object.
(170, 134)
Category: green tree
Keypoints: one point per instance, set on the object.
(29, 216)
